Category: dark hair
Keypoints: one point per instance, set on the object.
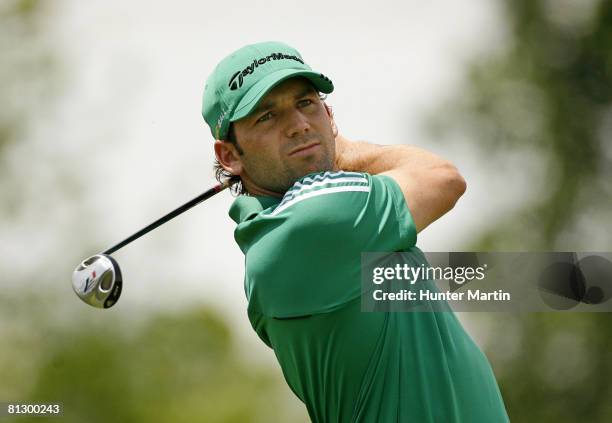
(223, 175)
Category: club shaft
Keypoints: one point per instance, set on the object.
(197, 200)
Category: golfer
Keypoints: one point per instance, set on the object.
(310, 203)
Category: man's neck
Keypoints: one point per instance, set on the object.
(255, 190)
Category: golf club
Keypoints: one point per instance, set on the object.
(97, 279)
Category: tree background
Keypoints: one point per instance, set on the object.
(546, 98)
(537, 105)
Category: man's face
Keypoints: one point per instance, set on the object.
(287, 136)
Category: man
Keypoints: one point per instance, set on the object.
(313, 202)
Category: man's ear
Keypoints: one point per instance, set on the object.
(334, 127)
(330, 113)
(228, 157)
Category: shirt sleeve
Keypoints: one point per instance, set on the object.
(308, 255)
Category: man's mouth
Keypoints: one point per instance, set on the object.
(304, 149)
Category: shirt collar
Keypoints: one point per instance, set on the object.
(246, 206)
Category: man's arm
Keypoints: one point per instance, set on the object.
(431, 185)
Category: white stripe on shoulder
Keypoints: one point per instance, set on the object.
(330, 174)
(321, 181)
(323, 191)
(327, 178)
(298, 186)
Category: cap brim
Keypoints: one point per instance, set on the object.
(261, 88)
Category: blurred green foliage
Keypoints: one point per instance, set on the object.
(546, 96)
(28, 87)
(546, 93)
(27, 67)
(179, 367)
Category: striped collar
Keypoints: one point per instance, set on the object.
(246, 206)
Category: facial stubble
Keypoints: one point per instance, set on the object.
(279, 175)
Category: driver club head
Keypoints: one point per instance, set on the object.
(97, 281)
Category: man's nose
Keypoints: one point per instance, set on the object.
(296, 124)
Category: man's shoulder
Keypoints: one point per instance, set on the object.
(321, 209)
(322, 184)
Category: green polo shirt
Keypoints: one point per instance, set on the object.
(303, 285)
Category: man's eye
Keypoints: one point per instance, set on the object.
(305, 102)
(264, 117)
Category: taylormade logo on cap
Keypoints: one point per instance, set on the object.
(235, 84)
(244, 77)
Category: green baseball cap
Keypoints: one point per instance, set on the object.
(244, 77)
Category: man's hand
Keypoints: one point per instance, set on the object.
(431, 185)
